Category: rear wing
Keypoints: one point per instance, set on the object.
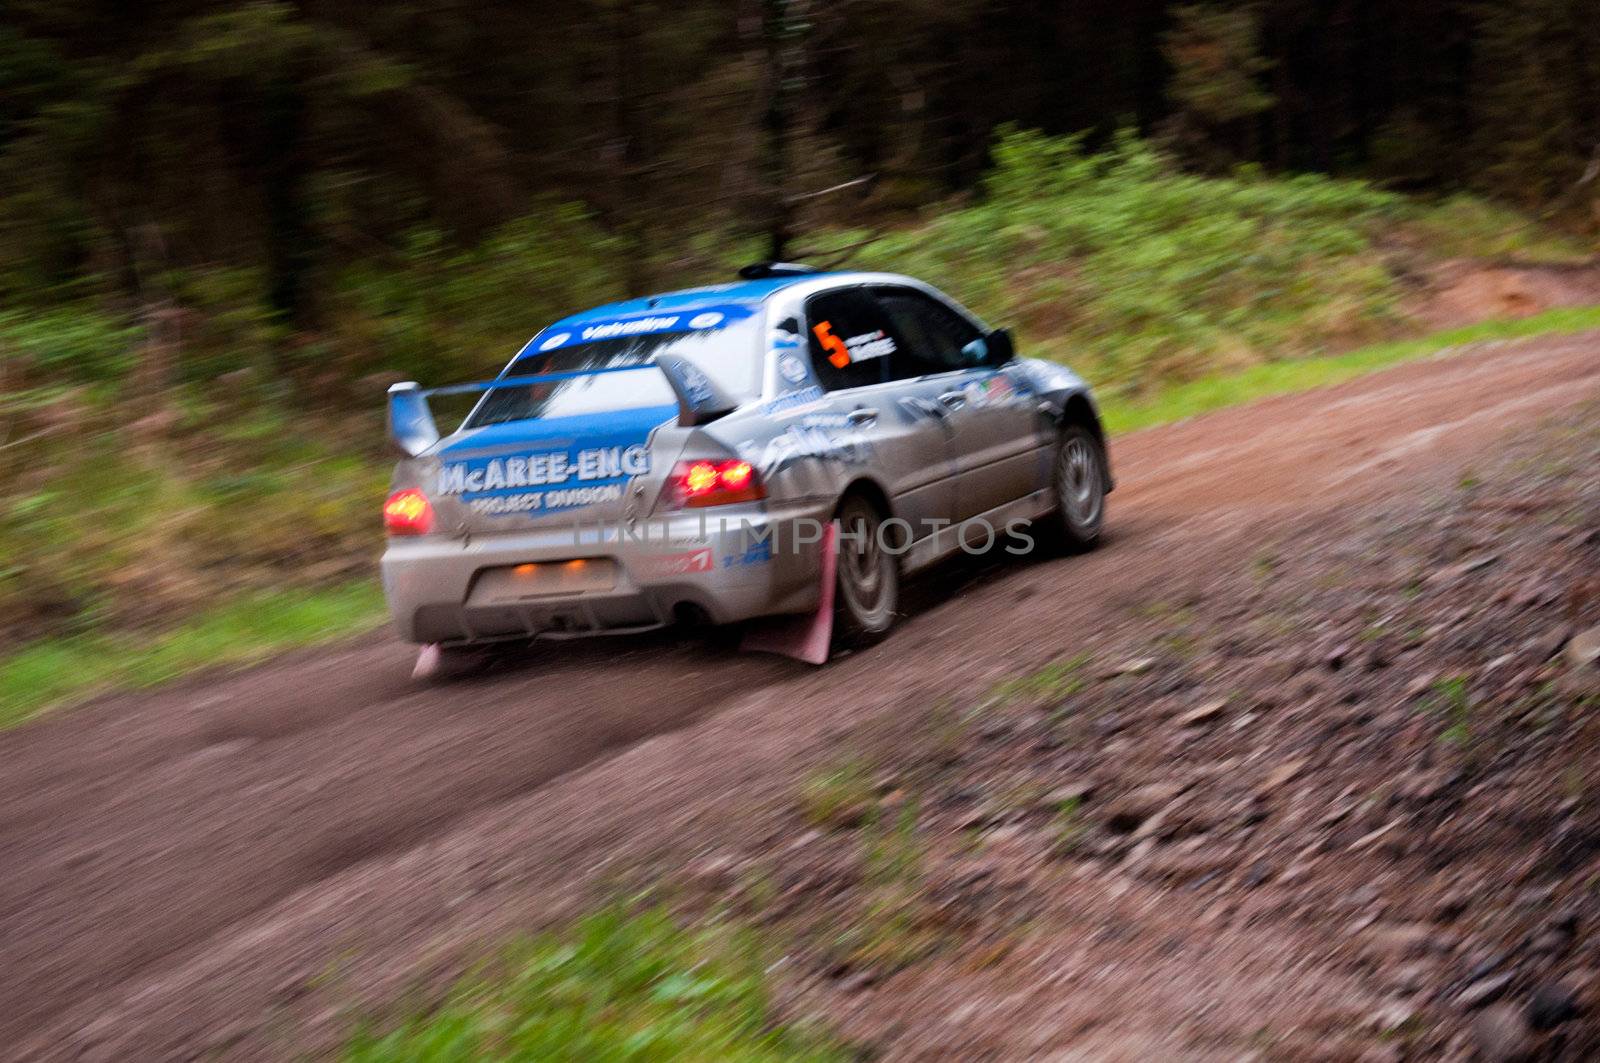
(413, 431)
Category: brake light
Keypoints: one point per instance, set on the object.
(716, 483)
(408, 512)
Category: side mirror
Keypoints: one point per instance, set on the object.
(411, 426)
(1001, 349)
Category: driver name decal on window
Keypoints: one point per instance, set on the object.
(869, 345)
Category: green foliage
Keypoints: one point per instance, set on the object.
(1214, 53)
(839, 795)
(1178, 401)
(1464, 226)
(894, 923)
(1067, 827)
(105, 523)
(1056, 680)
(1452, 699)
(1139, 274)
(253, 41)
(615, 987)
(247, 629)
(1535, 71)
(437, 312)
(67, 343)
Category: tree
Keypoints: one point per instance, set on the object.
(1536, 77)
(1215, 57)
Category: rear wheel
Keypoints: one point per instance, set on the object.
(1078, 483)
(867, 577)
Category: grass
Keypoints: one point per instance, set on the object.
(1141, 275)
(838, 795)
(1067, 827)
(1054, 681)
(893, 924)
(1452, 699)
(61, 671)
(1215, 391)
(618, 986)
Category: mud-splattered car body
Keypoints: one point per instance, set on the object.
(567, 504)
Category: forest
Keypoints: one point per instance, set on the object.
(224, 227)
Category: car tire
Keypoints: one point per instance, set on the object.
(1078, 489)
(866, 577)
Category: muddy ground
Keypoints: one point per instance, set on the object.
(1339, 800)
(232, 864)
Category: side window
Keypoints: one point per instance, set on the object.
(850, 338)
(934, 333)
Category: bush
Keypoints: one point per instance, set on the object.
(440, 313)
(1117, 261)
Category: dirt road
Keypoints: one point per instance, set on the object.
(183, 869)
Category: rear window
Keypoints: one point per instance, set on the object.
(728, 354)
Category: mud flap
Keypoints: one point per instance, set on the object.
(805, 638)
(429, 658)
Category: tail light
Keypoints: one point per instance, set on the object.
(408, 512)
(715, 483)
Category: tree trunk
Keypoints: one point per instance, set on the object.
(781, 67)
(630, 176)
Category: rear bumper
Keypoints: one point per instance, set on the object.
(727, 566)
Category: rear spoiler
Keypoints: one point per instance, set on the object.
(413, 431)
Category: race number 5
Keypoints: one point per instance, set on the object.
(838, 353)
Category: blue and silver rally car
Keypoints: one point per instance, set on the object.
(794, 443)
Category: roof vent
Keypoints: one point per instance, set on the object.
(763, 270)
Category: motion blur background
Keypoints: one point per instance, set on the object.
(226, 227)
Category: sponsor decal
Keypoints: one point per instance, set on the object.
(646, 325)
(999, 388)
(993, 391)
(695, 383)
(528, 502)
(839, 421)
(758, 554)
(562, 479)
(805, 441)
(637, 327)
(791, 368)
(549, 468)
(663, 565)
(794, 399)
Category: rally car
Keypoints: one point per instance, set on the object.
(793, 444)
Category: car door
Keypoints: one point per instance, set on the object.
(905, 432)
(994, 432)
